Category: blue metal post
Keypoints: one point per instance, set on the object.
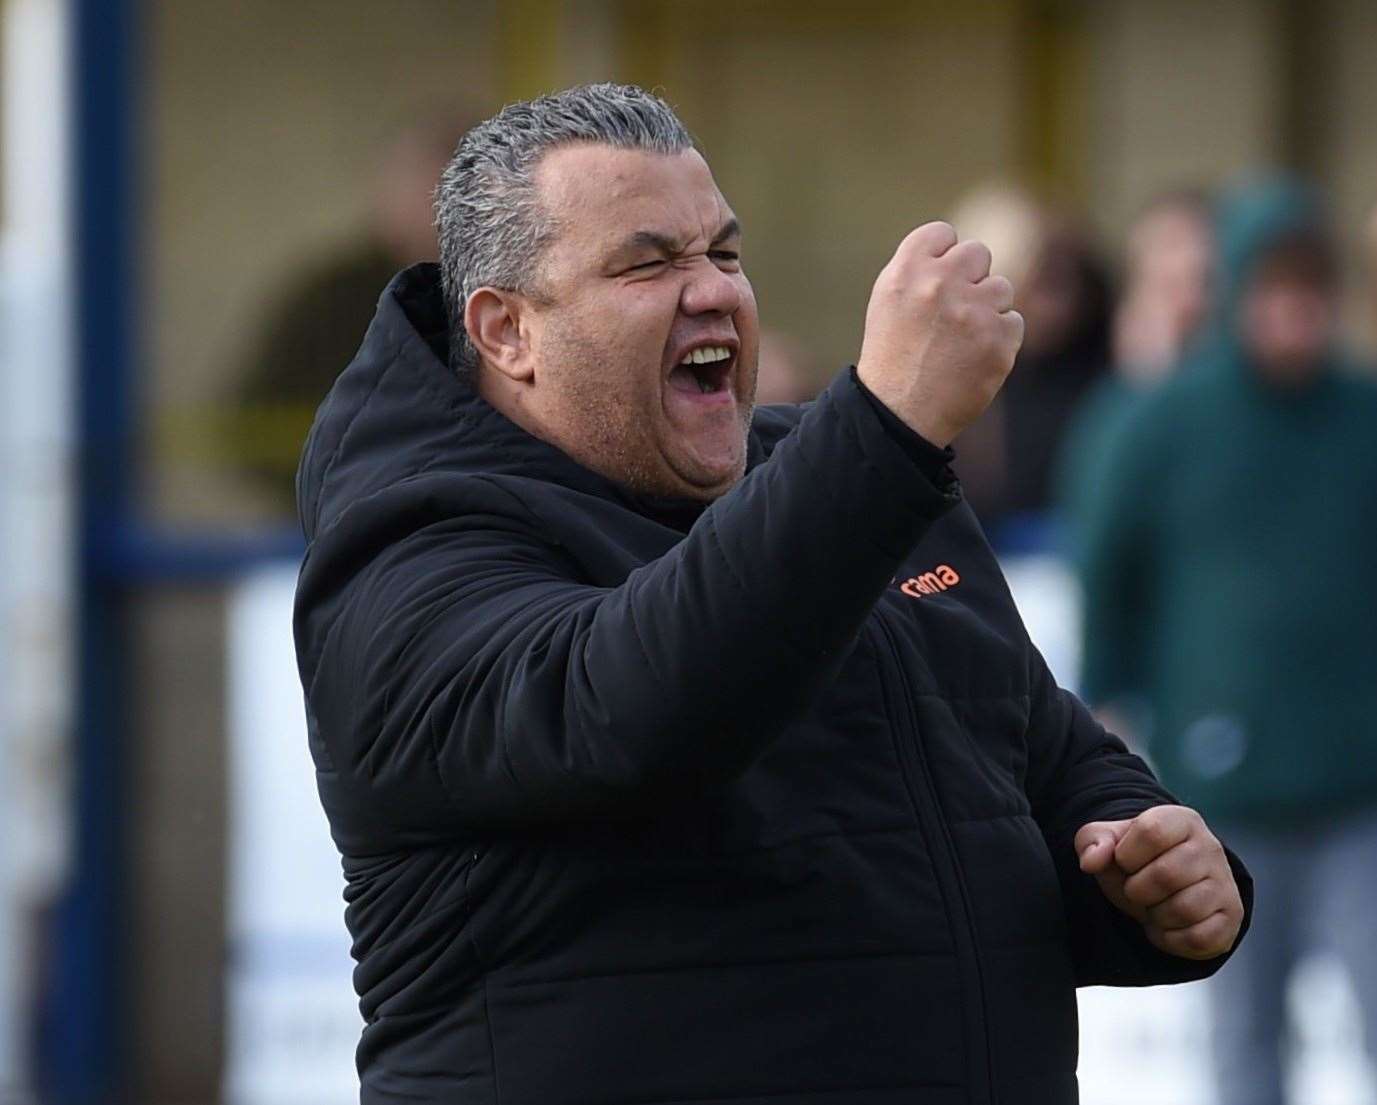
(83, 1040)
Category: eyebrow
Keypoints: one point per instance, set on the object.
(730, 229)
(663, 243)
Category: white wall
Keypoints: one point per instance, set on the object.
(36, 494)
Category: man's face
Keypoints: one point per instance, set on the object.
(644, 335)
(1287, 318)
(1172, 257)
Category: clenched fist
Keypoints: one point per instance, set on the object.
(1165, 869)
(940, 333)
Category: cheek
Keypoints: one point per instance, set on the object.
(620, 323)
(746, 318)
(604, 357)
(1293, 322)
(641, 317)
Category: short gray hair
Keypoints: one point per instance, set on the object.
(487, 212)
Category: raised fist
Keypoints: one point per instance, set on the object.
(940, 333)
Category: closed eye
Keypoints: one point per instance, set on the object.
(644, 265)
(727, 256)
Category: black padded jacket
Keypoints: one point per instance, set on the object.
(641, 802)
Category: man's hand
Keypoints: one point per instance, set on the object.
(1166, 870)
(940, 333)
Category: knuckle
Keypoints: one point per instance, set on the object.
(1155, 827)
(1153, 817)
(890, 278)
(926, 239)
(1202, 938)
(929, 288)
(1187, 856)
(1150, 836)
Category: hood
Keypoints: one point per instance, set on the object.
(399, 411)
(1251, 220)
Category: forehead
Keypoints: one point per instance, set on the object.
(598, 194)
(1294, 261)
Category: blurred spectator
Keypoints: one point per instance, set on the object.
(1228, 580)
(1063, 293)
(1168, 283)
(319, 318)
(1169, 269)
(786, 374)
(1007, 218)
(1370, 272)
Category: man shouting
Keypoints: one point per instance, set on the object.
(678, 753)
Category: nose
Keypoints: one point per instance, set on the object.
(710, 291)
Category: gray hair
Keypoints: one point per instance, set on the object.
(488, 215)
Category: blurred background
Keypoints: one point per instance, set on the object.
(201, 203)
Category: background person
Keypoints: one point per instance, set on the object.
(1168, 289)
(319, 316)
(1064, 295)
(1227, 577)
(787, 374)
(1368, 326)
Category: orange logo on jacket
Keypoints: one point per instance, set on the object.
(941, 578)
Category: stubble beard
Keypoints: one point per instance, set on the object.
(599, 428)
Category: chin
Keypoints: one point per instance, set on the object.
(712, 483)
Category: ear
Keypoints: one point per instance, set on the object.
(493, 319)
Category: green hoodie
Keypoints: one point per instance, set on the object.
(1228, 561)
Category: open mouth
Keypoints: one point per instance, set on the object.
(705, 370)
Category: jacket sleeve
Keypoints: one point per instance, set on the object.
(1078, 773)
(474, 676)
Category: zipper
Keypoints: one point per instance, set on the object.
(932, 822)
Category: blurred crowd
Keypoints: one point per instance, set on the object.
(1188, 426)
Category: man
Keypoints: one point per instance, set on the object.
(679, 756)
(1169, 274)
(1228, 587)
(785, 372)
(1168, 288)
(1368, 327)
(316, 317)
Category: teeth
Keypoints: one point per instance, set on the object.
(708, 354)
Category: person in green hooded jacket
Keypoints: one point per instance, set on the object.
(1227, 555)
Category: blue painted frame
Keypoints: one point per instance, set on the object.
(83, 1038)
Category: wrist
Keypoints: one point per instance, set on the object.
(932, 462)
(924, 422)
